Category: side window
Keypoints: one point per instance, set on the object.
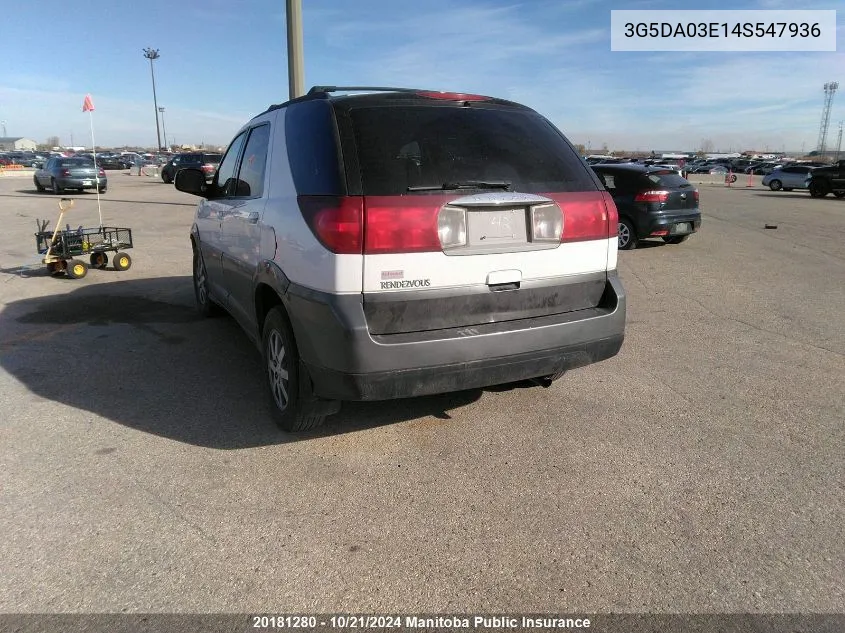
(627, 183)
(226, 172)
(251, 176)
(607, 179)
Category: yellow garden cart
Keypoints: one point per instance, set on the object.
(61, 246)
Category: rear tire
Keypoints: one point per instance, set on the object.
(166, 178)
(54, 187)
(281, 367)
(121, 261)
(99, 260)
(676, 239)
(819, 190)
(775, 185)
(38, 185)
(627, 235)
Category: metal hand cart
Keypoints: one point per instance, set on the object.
(60, 247)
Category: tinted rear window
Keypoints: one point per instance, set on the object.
(77, 162)
(668, 179)
(212, 158)
(413, 146)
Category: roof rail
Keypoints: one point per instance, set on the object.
(318, 89)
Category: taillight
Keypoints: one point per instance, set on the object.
(405, 225)
(586, 216)
(652, 196)
(336, 221)
(65, 173)
(101, 172)
(695, 196)
(208, 168)
(612, 215)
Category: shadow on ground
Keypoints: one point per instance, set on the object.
(135, 352)
(802, 193)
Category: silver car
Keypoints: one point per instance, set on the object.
(788, 178)
(70, 173)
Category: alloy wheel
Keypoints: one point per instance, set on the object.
(277, 368)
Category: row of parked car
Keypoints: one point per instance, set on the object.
(24, 159)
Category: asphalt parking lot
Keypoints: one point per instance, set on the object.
(700, 470)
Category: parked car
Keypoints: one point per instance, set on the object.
(111, 162)
(700, 169)
(59, 174)
(762, 169)
(205, 161)
(825, 180)
(24, 159)
(403, 243)
(788, 178)
(651, 202)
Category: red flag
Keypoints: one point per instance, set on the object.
(87, 105)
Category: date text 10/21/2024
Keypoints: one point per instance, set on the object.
(412, 621)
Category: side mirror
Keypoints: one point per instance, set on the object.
(191, 181)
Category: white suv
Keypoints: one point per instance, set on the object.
(402, 242)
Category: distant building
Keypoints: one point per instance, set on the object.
(17, 143)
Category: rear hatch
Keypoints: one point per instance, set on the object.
(666, 192)
(78, 168)
(210, 163)
(474, 213)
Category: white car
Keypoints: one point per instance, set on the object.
(401, 243)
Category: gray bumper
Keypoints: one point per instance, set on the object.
(346, 362)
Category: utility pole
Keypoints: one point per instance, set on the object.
(296, 65)
(152, 55)
(829, 91)
(838, 143)
(163, 128)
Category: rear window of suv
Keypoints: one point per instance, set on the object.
(421, 146)
(211, 158)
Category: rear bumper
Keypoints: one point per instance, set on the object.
(670, 221)
(77, 183)
(346, 362)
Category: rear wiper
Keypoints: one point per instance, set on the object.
(464, 184)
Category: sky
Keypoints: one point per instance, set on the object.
(222, 62)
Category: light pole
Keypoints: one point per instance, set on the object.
(163, 127)
(3, 123)
(152, 54)
(296, 66)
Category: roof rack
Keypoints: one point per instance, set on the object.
(319, 89)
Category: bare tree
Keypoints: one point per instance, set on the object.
(53, 141)
(706, 145)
